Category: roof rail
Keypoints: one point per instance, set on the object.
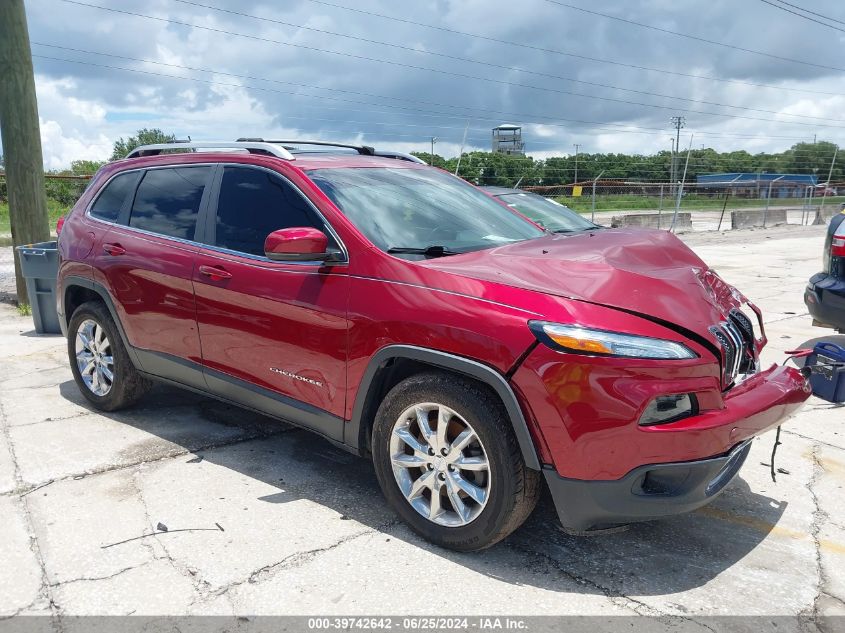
(400, 156)
(250, 145)
(366, 150)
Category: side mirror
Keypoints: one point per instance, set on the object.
(299, 244)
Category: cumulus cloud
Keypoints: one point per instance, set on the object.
(287, 74)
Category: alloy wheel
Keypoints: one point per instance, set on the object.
(94, 357)
(440, 464)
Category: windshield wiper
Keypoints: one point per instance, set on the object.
(428, 251)
(583, 230)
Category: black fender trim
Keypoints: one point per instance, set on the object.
(459, 364)
(101, 290)
(221, 386)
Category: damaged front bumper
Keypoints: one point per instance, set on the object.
(667, 488)
(647, 492)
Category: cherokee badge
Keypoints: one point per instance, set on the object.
(289, 374)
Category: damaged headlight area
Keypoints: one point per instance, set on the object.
(575, 339)
(665, 409)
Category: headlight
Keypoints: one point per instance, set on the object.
(579, 340)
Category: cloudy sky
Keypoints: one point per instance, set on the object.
(394, 74)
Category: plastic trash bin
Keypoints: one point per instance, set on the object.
(40, 267)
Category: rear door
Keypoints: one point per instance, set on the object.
(147, 261)
(273, 333)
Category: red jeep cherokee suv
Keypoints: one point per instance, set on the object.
(405, 315)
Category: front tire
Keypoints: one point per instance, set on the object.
(448, 462)
(99, 361)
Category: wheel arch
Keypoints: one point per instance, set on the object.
(393, 363)
(78, 290)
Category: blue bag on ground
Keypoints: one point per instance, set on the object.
(828, 377)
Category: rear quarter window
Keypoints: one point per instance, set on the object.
(168, 201)
(109, 202)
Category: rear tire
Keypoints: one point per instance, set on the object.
(464, 485)
(99, 361)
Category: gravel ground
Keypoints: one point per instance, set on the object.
(7, 272)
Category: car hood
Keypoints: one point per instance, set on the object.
(647, 272)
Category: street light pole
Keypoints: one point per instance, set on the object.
(431, 159)
(577, 147)
(768, 199)
(677, 122)
(593, 214)
(829, 176)
(671, 164)
(681, 185)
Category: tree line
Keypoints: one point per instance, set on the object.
(487, 168)
(66, 191)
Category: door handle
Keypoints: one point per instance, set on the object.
(114, 249)
(215, 273)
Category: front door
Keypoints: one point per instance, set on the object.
(273, 334)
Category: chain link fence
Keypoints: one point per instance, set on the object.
(699, 206)
(610, 202)
(63, 188)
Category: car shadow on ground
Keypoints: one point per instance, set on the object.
(34, 334)
(837, 339)
(683, 552)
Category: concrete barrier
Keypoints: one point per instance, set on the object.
(747, 218)
(653, 220)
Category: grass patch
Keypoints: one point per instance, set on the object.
(24, 309)
(55, 210)
(690, 202)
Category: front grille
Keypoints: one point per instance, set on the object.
(736, 338)
(728, 352)
(744, 324)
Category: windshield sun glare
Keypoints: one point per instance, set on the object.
(421, 212)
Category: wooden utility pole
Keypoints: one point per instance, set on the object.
(21, 135)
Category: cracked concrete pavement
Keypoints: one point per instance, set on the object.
(263, 518)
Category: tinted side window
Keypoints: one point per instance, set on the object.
(111, 198)
(253, 203)
(168, 201)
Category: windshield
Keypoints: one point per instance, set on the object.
(545, 212)
(403, 209)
